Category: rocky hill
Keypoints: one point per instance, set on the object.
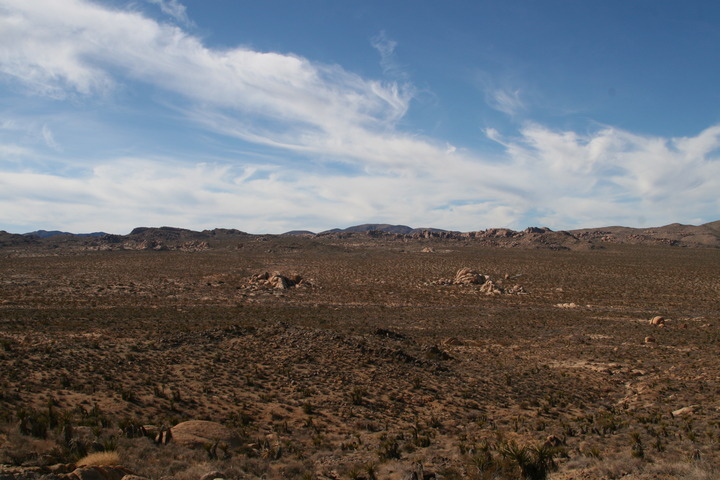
(675, 234)
(172, 238)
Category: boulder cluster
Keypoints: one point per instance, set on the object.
(467, 276)
(277, 281)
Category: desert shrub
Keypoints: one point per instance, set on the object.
(36, 423)
(99, 459)
(527, 462)
(389, 449)
(356, 395)
(637, 449)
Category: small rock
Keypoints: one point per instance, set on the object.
(553, 441)
(657, 321)
(62, 468)
(649, 339)
(684, 411)
(516, 290)
(213, 475)
(196, 433)
(279, 282)
(489, 288)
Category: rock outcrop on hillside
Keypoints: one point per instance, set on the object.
(179, 239)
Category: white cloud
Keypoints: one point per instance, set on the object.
(611, 175)
(506, 101)
(74, 48)
(174, 9)
(388, 60)
(49, 138)
(561, 179)
(502, 95)
(10, 150)
(564, 178)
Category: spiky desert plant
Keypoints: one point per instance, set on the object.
(534, 463)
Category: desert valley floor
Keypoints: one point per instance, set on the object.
(358, 356)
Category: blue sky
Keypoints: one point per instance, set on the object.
(269, 116)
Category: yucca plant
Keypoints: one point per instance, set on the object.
(534, 463)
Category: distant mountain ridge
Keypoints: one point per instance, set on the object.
(382, 227)
(53, 233)
(675, 234)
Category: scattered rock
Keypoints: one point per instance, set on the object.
(489, 288)
(453, 342)
(566, 305)
(553, 441)
(435, 353)
(61, 468)
(657, 321)
(382, 332)
(516, 290)
(467, 276)
(213, 475)
(684, 411)
(279, 282)
(275, 281)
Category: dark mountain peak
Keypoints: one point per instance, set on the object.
(54, 233)
(379, 227)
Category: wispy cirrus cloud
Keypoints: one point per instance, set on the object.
(388, 59)
(49, 138)
(175, 9)
(80, 48)
(506, 101)
(500, 94)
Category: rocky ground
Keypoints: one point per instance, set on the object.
(220, 354)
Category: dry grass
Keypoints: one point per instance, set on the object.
(99, 459)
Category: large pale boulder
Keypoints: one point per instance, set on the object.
(197, 433)
(467, 276)
(489, 288)
(657, 321)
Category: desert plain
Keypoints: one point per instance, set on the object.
(358, 355)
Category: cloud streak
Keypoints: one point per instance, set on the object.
(506, 101)
(174, 9)
(388, 60)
